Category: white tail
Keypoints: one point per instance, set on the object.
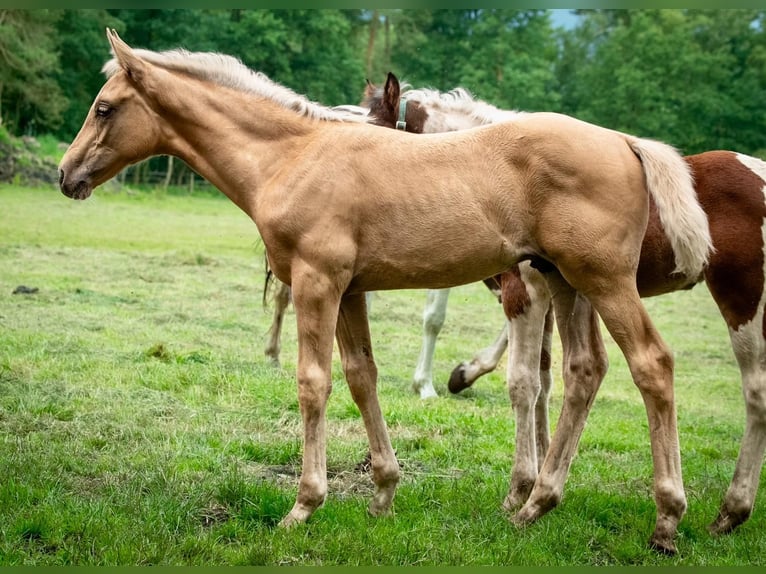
(670, 183)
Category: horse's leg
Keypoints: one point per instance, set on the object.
(353, 336)
(316, 302)
(542, 424)
(524, 350)
(651, 366)
(281, 301)
(433, 320)
(526, 304)
(540, 295)
(483, 362)
(750, 350)
(584, 366)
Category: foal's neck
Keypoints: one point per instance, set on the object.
(235, 140)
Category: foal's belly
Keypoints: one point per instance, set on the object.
(430, 270)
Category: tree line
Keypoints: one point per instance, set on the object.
(692, 78)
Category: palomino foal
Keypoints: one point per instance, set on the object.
(730, 188)
(466, 205)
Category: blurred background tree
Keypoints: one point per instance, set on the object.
(693, 78)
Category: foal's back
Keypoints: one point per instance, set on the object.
(418, 207)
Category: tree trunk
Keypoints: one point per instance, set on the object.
(387, 45)
(168, 173)
(371, 42)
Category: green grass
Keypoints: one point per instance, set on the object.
(141, 424)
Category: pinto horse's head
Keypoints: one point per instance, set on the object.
(120, 128)
(385, 105)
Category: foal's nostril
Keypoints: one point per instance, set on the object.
(61, 177)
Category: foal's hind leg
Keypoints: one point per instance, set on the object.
(526, 326)
(584, 366)
(542, 425)
(281, 301)
(353, 336)
(750, 349)
(651, 366)
(433, 320)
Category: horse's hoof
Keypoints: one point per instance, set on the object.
(457, 380)
(288, 521)
(517, 497)
(524, 517)
(425, 390)
(378, 511)
(662, 545)
(725, 522)
(511, 504)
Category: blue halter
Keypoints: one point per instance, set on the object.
(401, 124)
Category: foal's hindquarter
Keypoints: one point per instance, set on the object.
(731, 189)
(335, 224)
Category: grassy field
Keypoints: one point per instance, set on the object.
(141, 424)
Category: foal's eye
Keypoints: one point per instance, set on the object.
(104, 110)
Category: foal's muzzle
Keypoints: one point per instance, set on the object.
(78, 189)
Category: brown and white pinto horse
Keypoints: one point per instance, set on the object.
(730, 188)
(463, 206)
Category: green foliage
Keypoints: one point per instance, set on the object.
(683, 76)
(30, 97)
(693, 78)
(82, 52)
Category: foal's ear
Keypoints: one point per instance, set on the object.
(369, 89)
(391, 91)
(125, 56)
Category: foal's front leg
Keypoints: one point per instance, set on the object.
(316, 301)
(353, 336)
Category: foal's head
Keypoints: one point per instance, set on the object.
(427, 111)
(121, 128)
(389, 109)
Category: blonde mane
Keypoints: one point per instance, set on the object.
(230, 72)
(460, 101)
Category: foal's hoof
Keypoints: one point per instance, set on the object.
(663, 545)
(524, 517)
(425, 390)
(298, 515)
(378, 511)
(288, 521)
(457, 381)
(520, 521)
(726, 521)
(517, 497)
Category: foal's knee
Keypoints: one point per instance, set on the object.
(314, 386)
